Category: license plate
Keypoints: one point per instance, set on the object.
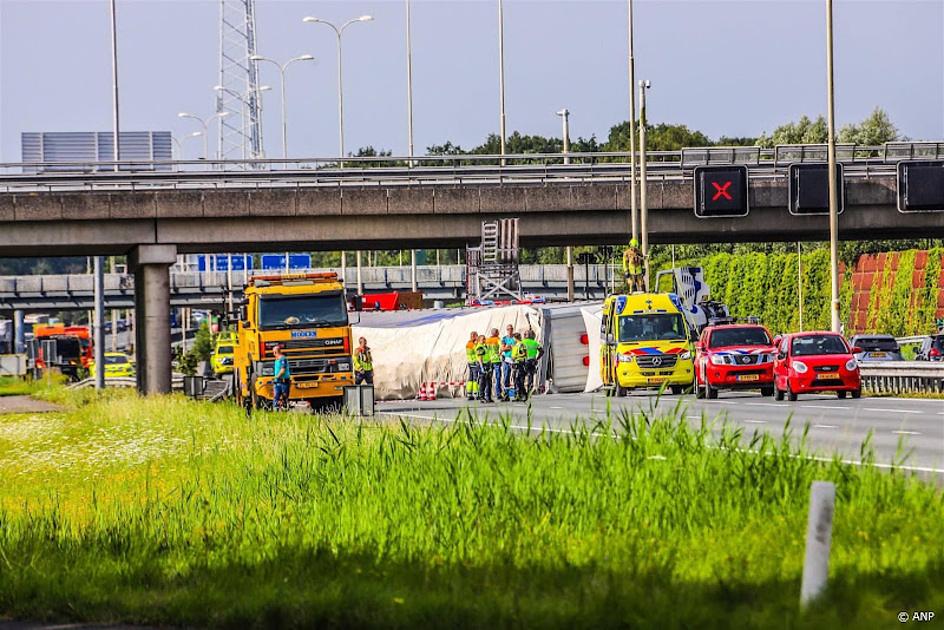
(307, 384)
(878, 355)
(748, 377)
(656, 380)
(828, 376)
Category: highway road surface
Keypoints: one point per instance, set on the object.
(836, 426)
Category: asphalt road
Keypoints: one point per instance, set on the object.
(835, 426)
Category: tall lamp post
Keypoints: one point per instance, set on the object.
(282, 68)
(501, 78)
(634, 214)
(409, 116)
(338, 31)
(643, 202)
(204, 122)
(833, 188)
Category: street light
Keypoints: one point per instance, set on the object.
(633, 213)
(282, 67)
(643, 203)
(409, 81)
(565, 117)
(206, 130)
(831, 162)
(501, 78)
(338, 31)
(180, 146)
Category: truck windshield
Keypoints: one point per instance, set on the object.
(724, 337)
(652, 327)
(303, 310)
(67, 347)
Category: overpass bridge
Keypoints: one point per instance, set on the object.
(208, 290)
(152, 211)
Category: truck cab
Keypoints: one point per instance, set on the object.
(73, 346)
(645, 342)
(307, 315)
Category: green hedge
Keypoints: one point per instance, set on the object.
(765, 285)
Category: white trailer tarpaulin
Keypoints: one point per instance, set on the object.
(592, 318)
(414, 347)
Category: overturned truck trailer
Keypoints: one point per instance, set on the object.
(426, 348)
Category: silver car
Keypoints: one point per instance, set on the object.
(876, 348)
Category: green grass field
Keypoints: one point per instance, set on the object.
(168, 511)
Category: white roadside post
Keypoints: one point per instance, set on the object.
(819, 532)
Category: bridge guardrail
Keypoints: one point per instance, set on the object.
(897, 377)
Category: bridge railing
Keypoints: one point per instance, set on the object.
(430, 169)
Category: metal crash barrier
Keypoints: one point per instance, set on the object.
(897, 377)
(359, 400)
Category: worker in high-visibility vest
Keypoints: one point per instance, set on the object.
(483, 358)
(472, 383)
(519, 356)
(633, 266)
(534, 351)
(493, 343)
(363, 363)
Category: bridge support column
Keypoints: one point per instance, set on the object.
(151, 267)
(19, 332)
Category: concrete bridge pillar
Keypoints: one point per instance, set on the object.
(151, 267)
(19, 332)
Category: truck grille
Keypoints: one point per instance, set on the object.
(308, 345)
(303, 367)
(656, 360)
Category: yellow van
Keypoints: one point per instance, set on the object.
(221, 361)
(645, 342)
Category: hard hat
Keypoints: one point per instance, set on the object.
(633, 243)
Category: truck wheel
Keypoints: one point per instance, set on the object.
(767, 391)
(619, 391)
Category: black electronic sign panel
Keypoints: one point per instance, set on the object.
(721, 191)
(921, 186)
(808, 188)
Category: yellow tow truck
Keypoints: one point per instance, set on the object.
(305, 313)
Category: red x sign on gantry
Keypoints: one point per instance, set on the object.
(721, 191)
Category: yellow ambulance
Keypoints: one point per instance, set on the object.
(645, 341)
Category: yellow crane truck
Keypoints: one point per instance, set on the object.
(305, 313)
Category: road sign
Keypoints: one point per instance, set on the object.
(808, 188)
(276, 262)
(921, 186)
(221, 262)
(721, 191)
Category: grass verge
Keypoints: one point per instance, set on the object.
(163, 510)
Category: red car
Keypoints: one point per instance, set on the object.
(812, 362)
(735, 356)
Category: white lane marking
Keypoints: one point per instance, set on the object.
(555, 407)
(823, 407)
(766, 404)
(825, 426)
(756, 421)
(907, 432)
(851, 462)
(693, 417)
(886, 410)
(909, 400)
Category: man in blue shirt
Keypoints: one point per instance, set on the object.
(507, 364)
(282, 379)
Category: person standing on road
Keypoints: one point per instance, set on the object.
(282, 379)
(507, 361)
(363, 363)
(534, 351)
(472, 384)
(484, 360)
(519, 355)
(494, 359)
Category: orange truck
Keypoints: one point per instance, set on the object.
(73, 346)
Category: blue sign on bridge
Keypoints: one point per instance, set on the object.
(276, 262)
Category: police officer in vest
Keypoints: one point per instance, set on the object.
(472, 384)
(519, 355)
(363, 363)
(483, 356)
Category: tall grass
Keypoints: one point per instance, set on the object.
(163, 510)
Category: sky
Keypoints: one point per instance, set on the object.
(735, 68)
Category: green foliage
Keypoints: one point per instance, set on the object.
(164, 511)
(661, 137)
(875, 130)
(804, 131)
